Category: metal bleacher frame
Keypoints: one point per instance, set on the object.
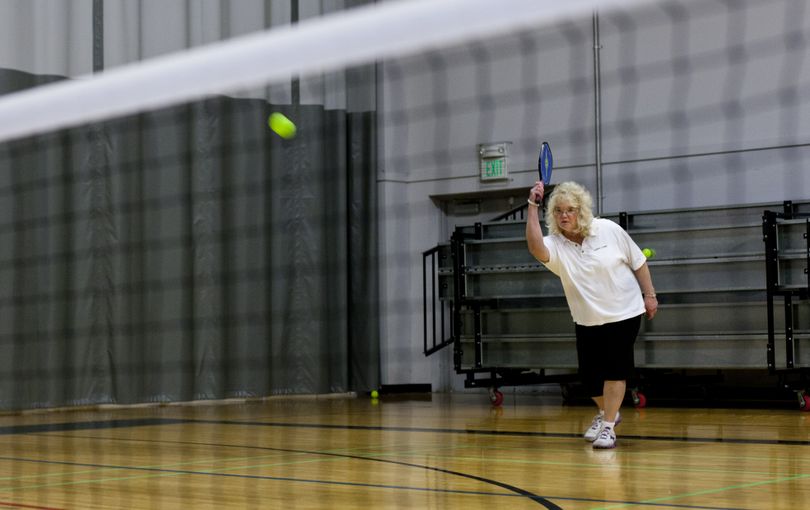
(787, 265)
(506, 316)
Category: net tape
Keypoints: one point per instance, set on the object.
(341, 40)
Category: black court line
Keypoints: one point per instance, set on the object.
(515, 433)
(511, 488)
(341, 483)
(141, 422)
(74, 426)
(264, 477)
(517, 492)
(86, 425)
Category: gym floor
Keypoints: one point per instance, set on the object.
(419, 451)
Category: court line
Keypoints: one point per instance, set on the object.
(667, 469)
(623, 503)
(159, 472)
(74, 426)
(87, 425)
(371, 452)
(679, 439)
(566, 498)
(223, 460)
(77, 426)
(533, 497)
(123, 423)
(334, 453)
(23, 505)
(162, 472)
(648, 454)
(719, 489)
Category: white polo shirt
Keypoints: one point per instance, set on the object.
(598, 277)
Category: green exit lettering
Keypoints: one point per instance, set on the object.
(493, 168)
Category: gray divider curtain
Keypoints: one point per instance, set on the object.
(189, 254)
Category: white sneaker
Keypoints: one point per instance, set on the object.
(606, 439)
(596, 426)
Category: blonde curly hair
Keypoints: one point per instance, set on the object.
(576, 195)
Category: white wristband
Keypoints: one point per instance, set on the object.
(533, 203)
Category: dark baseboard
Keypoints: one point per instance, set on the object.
(393, 389)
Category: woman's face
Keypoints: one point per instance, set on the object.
(567, 216)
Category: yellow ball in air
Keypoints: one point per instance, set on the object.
(281, 125)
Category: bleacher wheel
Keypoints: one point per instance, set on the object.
(639, 399)
(804, 401)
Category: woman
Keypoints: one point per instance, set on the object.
(607, 286)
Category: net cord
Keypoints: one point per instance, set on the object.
(337, 41)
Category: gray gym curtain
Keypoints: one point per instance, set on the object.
(188, 254)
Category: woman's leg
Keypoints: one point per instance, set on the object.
(612, 399)
(588, 361)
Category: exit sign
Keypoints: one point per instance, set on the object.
(494, 161)
(494, 168)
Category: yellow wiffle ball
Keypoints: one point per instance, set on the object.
(375, 394)
(649, 253)
(281, 125)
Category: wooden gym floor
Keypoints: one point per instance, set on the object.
(439, 451)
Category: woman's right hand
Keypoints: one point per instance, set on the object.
(536, 193)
